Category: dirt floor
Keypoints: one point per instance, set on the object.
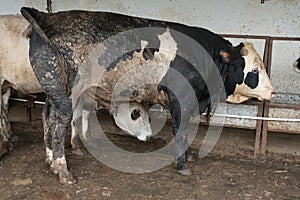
(228, 172)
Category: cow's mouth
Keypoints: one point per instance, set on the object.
(143, 138)
(273, 94)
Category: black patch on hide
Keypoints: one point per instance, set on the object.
(252, 79)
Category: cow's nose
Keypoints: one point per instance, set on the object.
(272, 94)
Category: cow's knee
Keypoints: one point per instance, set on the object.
(64, 112)
(49, 124)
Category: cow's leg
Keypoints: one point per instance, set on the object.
(58, 121)
(5, 129)
(182, 150)
(85, 124)
(58, 142)
(5, 98)
(5, 119)
(188, 154)
(180, 119)
(56, 118)
(49, 127)
(74, 132)
(75, 140)
(60, 115)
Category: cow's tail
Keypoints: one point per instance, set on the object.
(31, 14)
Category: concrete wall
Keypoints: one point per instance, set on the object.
(273, 18)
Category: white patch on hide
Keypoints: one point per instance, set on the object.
(168, 46)
(59, 165)
(143, 44)
(166, 54)
(49, 156)
(61, 161)
(139, 127)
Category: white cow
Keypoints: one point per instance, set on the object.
(15, 68)
(16, 72)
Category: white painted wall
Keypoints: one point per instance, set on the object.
(273, 18)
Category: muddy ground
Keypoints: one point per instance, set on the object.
(228, 172)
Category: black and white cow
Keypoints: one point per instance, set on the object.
(189, 67)
(297, 65)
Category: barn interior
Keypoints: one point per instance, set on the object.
(255, 135)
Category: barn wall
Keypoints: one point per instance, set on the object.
(273, 18)
(249, 17)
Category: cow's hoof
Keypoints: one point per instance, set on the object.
(67, 179)
(185, 172)
(48, 161)
(190, 158)
(79, 151)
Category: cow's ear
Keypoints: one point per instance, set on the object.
(225, 55)
(244, 52)
(241, 49)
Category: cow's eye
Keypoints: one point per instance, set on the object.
(255, 70)
(135, 114)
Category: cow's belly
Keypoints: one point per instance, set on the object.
(22, 78)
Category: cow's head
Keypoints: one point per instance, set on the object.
(250, 81)
(133, 118)
(297, 65)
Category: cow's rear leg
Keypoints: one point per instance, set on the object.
(5, 128)
(75, 143)
(54, 134)
(180, 119)
(81, 117)
(46, 69)
(57, 116)
(181, 152)
(49, 127)
(77, 146)
(63, 117)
